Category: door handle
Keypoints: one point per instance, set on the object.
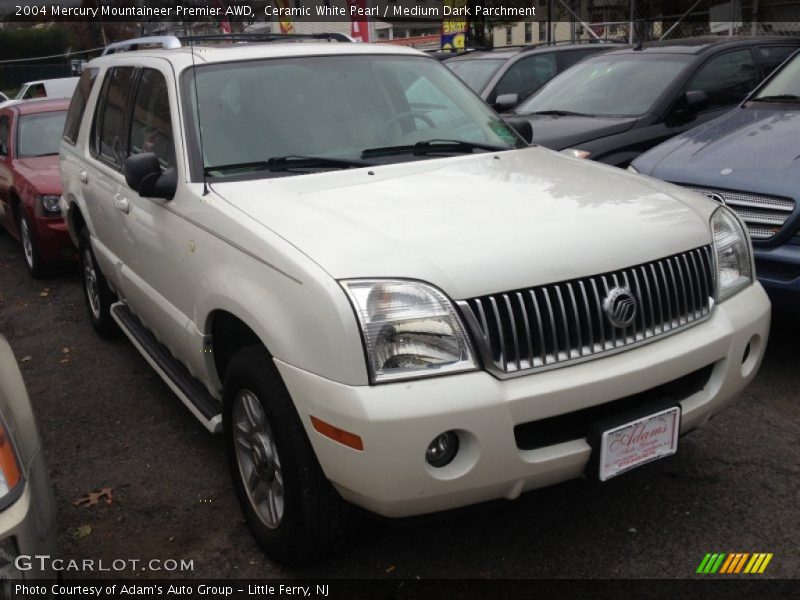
(122, 203)
(83, 175)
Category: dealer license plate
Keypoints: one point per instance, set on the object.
(639, 442)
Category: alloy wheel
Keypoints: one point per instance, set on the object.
(257, 458)
(90, 282)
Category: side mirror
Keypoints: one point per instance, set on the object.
(505, 102)
(522, 126)
(143, 173)
(694, 101)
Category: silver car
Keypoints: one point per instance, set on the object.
(27, 505)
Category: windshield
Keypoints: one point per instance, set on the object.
(625, 85)
(325, 112)
(786, 82)
(40, 134)
(475, 72)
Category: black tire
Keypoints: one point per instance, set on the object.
(100, 313)
(315, 519)
(36, 266)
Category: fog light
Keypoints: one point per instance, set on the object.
(442, 450)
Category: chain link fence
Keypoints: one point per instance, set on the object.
(649, 20)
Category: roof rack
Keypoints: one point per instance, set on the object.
(268, 37)
(171, 42)
(167, 42)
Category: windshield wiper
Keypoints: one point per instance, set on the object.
(777, 98)
(289, 162)
(561, 113)
(431, 146)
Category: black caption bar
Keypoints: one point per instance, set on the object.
(396, 589)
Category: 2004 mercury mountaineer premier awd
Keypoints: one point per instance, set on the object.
(342, 259)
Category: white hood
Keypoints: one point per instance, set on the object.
(477, 224)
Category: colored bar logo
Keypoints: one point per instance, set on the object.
(734, 563)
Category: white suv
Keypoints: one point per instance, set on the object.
(341, 258)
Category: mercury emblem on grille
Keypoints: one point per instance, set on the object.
(621, 307)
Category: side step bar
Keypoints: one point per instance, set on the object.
(190, 391)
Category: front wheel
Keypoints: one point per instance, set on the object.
(290, 507)
(96, 292)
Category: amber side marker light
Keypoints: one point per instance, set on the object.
(9, 468)
(351, 440)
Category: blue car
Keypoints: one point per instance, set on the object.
(749, 159)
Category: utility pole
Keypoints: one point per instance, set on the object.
(630, 24)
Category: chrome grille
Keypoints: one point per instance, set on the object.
(552, 325)
(764, 215)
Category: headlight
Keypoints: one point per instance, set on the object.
(576, 153)
(10, 473)
(410, 329)
(50, 204)
(632, 169)
(732, 250)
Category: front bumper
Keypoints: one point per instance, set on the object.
(397, 421)
(53, 239)
(28, 528)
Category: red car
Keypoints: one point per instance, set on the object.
(30, 185)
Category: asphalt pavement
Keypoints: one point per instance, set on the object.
(108, 421)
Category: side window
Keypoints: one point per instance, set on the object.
(5, 128)
(526, 76)
(151, 126)
(109, 126)
(78, 105)
(35, 91)
(771, 56)
(726, 79)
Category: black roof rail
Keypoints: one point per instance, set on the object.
(567, 42)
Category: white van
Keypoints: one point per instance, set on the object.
(48, 88)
